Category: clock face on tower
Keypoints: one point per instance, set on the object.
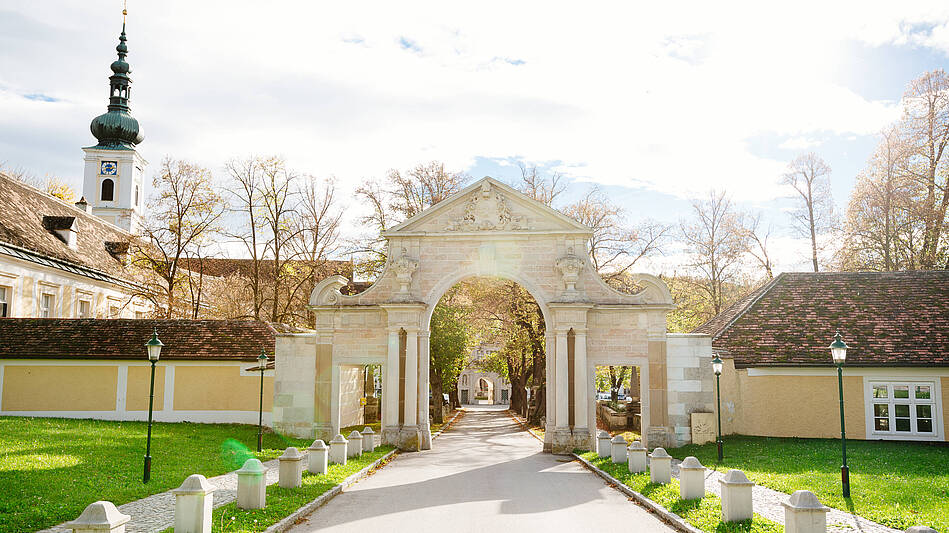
(109, 168)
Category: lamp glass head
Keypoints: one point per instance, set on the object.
(153, 347)
(717, 365)
(838, 349)
(262, 357)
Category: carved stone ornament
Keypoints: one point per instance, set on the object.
(486, 211)
(570, 266)
(404, 267)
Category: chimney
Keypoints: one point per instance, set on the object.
(65, 228)
(83, 205)
(119, 250)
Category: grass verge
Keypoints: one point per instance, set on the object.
(897, 484)
(52, 468)
(704, 514)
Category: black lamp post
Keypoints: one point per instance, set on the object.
(262, 364)
(153, 347)
(838, 351)
(717, 368)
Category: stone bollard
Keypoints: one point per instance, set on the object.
(921, 529)
(603, 444)
(354, 448)
(316, 460)
(618, 449)
(368, 439)
(99, 517)
(338, 449)
(736, 497)
(660, 466)
(691, 479)
(193, 505)
(804, 513)
(252, 485)
(636, 456)
(291, 468)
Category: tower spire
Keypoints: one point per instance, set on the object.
(117, 128)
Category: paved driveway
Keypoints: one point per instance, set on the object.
(485, 474)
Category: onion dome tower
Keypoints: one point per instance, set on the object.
(114, 171)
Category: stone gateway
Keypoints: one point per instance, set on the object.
(490, 229)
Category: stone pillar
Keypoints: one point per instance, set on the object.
(369, 439)
(636, 457)
(99, 517)
(338, 450)
(390, 391)
(334, 397)
(291, 468)
(657, 434)
(804, 513)
(921, 529)
(354, 448)
(660, 466)
(424, 364)
(323, 387)
(563, 416)
(691, 479)
(736, 497)
(603, 444)
(193, 505)
(316, 461)
(551, 392)
(252, 485)
(409, 438)
(581, 392)
(618, 449)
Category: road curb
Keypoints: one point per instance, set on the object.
(666, 515)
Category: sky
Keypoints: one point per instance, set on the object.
(655, 103)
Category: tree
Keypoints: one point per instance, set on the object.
(182, 218)
(756, 241)
(449, 343)
(809, 176)
(543, 188)
(245, 201)
(715, 242)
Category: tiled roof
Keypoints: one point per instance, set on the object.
(718, 322)
(22, 213)
(213, 266)
(66, 338)
(886, 319)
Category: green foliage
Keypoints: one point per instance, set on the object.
(449, 343)
(898, 484)
(704, 514)
(52, 468)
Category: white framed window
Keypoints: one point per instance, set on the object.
(904, 409)
(115, 311)
(85, 309)
(5, 294)
(47, 305)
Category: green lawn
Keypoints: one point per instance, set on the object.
(704, 514)
(898, 484)
(52, 468)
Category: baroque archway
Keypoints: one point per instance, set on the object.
(487, 229)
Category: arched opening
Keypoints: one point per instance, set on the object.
(108, 190)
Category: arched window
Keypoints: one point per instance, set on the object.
(136, 195)
(464, 379)
(108, 190)
(482, 384)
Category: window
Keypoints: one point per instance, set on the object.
(85, 309)
(47, 301)
(903, 409)
(4, 302)
(504, 395)
(114, 311)
(139, 315)
(136, 195)
(108, 190)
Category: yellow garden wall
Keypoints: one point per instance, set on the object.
(219, 388)
(59, 388)
(136, 390)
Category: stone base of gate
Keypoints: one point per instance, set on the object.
(659, 436)
(426, 438)
(405, 438)
(565, 441)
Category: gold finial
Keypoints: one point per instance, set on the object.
(125, 11)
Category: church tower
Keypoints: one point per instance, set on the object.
(113, 181)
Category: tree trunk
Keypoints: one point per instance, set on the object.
(437, 400)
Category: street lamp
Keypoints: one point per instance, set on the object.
(838, 351)
(153, 347)
(262, 364)
(717, 368)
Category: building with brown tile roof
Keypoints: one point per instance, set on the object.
(779, 378)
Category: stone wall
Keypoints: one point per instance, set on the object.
(294, 400)
(690, 381)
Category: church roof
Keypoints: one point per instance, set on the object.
(29, 224)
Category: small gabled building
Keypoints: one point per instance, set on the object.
(779, 378)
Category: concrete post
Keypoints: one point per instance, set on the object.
(291, 468)
(804, 513)
(338, 449)
(660, 466)
(603, 444)
(99, 517)
(691, 479)
(193, 505)
(736, 497)
(618, 449)
(252, 485)
(368, 439)
(921, 529)
(316, 460)
(636, 454)
(354, 448)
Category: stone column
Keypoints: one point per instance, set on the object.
(618, 449)
(660, 466)
(563, 405)
(691, 479)
(291, 468)
(551, 392)
(804, 513)
(316, 461)
(581, 392)
(409, 438)
(334, 397)
(99, 517)
(657, 434)
(338, 450)
(369, 439)
(193, 505)
(252, 485)
(636, 454)
(390, 391)
(424, 363)
(736, 497)
(354, 447)
(323, 387)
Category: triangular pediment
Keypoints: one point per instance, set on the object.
(488, 205)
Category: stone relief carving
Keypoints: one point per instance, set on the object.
(404, 267)
(488, 210)
(570, 267)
